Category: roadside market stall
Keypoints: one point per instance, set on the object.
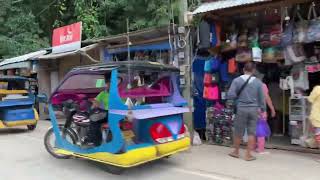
(282, 38)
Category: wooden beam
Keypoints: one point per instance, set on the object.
(138, 42)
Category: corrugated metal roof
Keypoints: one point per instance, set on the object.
(224, 4)
(23, 58)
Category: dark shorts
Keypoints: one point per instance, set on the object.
(246, 118)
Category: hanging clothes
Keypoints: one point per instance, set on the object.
(198, 72)
(199, 114)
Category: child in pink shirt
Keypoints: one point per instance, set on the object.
(263, 116)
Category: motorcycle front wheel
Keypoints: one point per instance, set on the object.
(50, 141)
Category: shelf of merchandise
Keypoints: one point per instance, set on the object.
(298, 116)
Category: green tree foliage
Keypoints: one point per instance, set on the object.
(19, 30)
(26, 25)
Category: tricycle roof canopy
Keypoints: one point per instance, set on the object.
(124, 65)
(13, 78)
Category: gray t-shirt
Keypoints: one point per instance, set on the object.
(251, 96)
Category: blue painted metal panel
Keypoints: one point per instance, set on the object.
(20, 102)
(17, 114)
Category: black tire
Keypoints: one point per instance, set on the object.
(115, 169)
(31, 127)
(50, 149)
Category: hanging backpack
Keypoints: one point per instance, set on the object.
(207, 66)
(313, 33)
(224, 72)
(232, 66)
(204, 35)
(215, 34)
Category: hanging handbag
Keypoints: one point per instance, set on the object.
(301, 29)
(243, 55)
(300, 77)
(207, 79)
(294, 54)
(269, 55)
(230, 43)
(313, 33)
(211, 92)
(243, 39)
(287, 34)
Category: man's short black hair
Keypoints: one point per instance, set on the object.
(249, 67)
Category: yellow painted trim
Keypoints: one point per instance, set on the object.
(22, 122)
(36, 115)
(4, 91)
(173, 146)
(134, 157)
(2, 125)
(18, 123)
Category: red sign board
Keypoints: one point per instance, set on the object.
(67, 38)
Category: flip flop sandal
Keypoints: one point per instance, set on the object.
(234, 155)
(251, 159)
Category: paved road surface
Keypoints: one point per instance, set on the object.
(23, 157)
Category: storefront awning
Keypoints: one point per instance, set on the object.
(224, 4)
(20, 61)
(71, 53)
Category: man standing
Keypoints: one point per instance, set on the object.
(247, 92)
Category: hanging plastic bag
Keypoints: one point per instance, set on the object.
(196, 139)
(257, 54)
(313, 33)
(263, 129)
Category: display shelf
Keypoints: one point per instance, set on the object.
(298, 116)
